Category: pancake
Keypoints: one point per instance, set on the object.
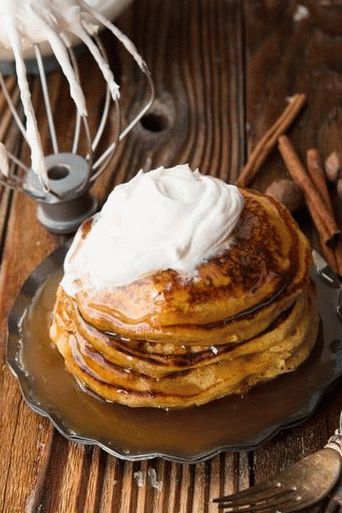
(197, 378)
(158, 359)
(174, 340)
(233, 297)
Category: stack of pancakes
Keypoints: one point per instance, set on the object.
(173, 340)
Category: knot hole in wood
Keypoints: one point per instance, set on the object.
(158, 119)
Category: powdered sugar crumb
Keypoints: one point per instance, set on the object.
(139, 478)
(152, 477)
(301, 13)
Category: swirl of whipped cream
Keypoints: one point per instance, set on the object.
(164, 219)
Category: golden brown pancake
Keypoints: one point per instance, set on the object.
(235, 295)
(135, 379)
(154, 358)
(170, 340)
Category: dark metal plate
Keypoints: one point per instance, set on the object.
(189, 435)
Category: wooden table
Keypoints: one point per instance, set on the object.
(223, 70)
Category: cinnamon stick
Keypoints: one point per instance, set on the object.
(317, 220)
(330, 256)
(338, 255)
(324, 220)
(315, 169)
(269, 140)
(328, 252)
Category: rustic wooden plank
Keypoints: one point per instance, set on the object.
(333, 409)
(93, 490)
(200, 109)
(287, 57)
(112, 486)
(5, 202)
(23, 432)
(20, 433)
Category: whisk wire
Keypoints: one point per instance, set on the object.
(131, 125)
(17, 161)
(77, 132)
(80, 118)
(60, 182)
(46, 97)
(103, 120)
(107, 102)
(143, 111)
(103, 162)
(12, 107)
(6, 117)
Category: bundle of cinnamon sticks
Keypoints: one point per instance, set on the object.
(310, 178)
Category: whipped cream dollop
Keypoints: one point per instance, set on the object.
(163, 219)
(26, 23)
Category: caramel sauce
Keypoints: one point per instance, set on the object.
(233, 420)
(183, 360)
(86, 227)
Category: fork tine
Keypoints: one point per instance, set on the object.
(332, 507)
(261, 508)
(259, 497)
(260, 487)
(320, 507)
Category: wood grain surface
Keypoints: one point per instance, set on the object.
(223, 70)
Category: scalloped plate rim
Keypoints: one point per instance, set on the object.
(37, 278)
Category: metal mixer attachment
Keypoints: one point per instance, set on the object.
(64, 199)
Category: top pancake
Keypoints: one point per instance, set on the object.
(261, 274)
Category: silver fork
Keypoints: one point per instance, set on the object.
(333, 502)
(303, 484)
